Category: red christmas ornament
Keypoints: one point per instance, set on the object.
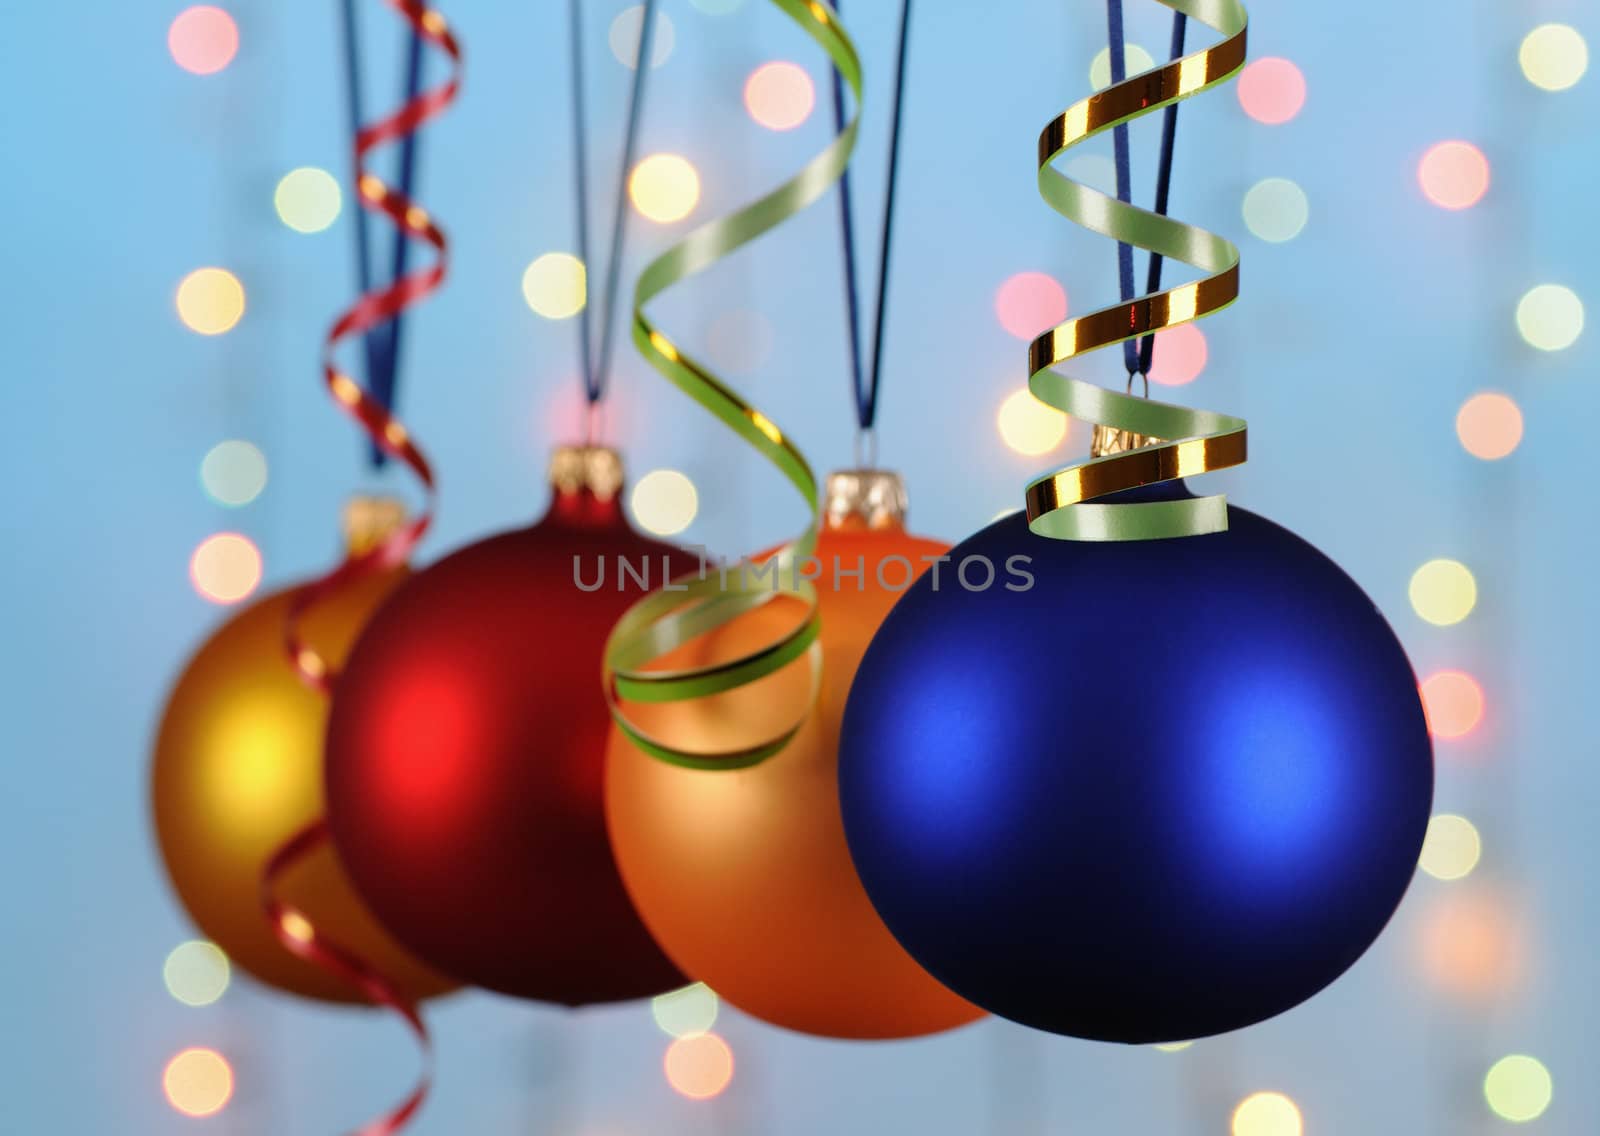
(466, 753)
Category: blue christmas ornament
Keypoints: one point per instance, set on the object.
(1161, 790)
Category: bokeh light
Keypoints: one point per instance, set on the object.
(1173, 1046)
(233, 472)
(664, 187)
(1180, 355)
(1453, 701)
(1550, 317)
(1272, 90)
(1276, 209)
(687, 1011)
(739, 341)
(1489, 425)
(1451, 849)
(699, 1066)
(1028, 426)
(629, 26)
(1267, 1114)
(1136, 59)
(196, 973)
(556, 285)
(1443, 592)
(203, 39)
(1518, 1088)
(198, 1082)
(225, 568)
(1454, 175)
(1029, 304)
(210, 300)
(1554, 56)
(1471, 943)
(779, 95)
(664, 502)
(308, 199)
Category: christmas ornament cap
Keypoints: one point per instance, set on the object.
(369, 520)
(871, 499)
(580, 468)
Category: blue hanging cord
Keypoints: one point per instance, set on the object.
(866, 384)
(597, 373)
(386, 381)
(1139, 355)
(356, 116)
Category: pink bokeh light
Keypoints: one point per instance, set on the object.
(203, 39)
(1180, 355)
(1030, 303)
(1272, 91)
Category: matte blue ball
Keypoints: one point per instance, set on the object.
(1174, 788)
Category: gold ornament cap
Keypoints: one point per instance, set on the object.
(369, 520)
(1110, 440)
(865, 499)
(595, 468)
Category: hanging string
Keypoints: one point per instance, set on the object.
(1138, 355)
(596, 373)
(380, 345)
(866, 383)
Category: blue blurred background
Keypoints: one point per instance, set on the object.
(1355, 347)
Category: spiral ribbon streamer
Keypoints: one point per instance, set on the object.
(666, 620)
(291, 926)
(1167, 442)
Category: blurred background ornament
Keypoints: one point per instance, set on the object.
(466, 752)
(238, 770)
(743, 874)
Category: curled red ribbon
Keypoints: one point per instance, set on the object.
(291, 926)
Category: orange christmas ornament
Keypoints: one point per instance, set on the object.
(742, 875)
(238, 770)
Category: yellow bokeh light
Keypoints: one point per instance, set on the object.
(225, 568)
(1550, 317)
(664, 502)
(1267, 1114)
(699, 1066)
(1028, 426)
(198, 1082)
(1276, 210)
(1443, 592)
(1518, 1088)
(664, 187)
(1554, 56)
(1173, 1046)
(686, 1012)
(1136, 58)
(556, 285)
(1451, 848)
(233, 472)
(308, 199)
(196, 973)
(1489, 425)
(210, 300)
(779, 95)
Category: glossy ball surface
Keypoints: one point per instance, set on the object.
(466, 754)
(1171, 789)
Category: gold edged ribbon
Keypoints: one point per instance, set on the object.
(1172, 441)
(665, 621)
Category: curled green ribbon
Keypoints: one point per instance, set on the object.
(665, 621)
(1160, 441)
